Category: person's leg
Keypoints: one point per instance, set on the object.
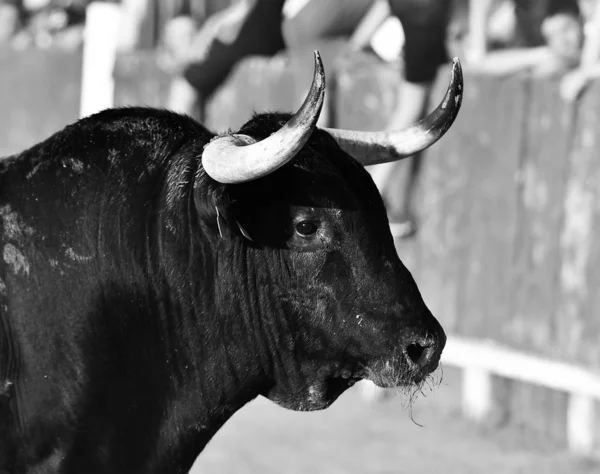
(398, 194)
(234, 35)
(425, 24)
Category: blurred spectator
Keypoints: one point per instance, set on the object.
(542, 37)
(148, 24)
(575, 81)
(246, 27)
(52, 22)
(42, 23)
(253, 27)
(425, 26)
(10, 20)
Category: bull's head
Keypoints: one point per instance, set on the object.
(297, 207)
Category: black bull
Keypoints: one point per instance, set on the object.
(155, 278)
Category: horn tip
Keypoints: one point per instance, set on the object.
(456, 78)
(319, 71)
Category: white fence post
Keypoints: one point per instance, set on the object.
(477, 401)
(99, 52)
(581, 419)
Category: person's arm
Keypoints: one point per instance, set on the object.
(478, 17)
(591, 48)
(573, 83)
(512, 61)
(576, 81)
(377, 14)
(593, 71)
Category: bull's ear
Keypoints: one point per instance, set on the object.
(213, 203)
(217, 209)
(226, 227)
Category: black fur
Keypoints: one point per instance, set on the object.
(131, 330)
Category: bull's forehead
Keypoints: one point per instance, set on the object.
(327, 177)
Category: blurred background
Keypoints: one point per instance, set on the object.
(496, 221)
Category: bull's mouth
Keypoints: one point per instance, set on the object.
(320, 393)
(397, 372)
(346, 378)
(343, 379)
(394, 372)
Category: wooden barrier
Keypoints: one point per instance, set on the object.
(505, 249)
(507, 205)
(39, 94)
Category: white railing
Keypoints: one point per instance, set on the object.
(480, 360)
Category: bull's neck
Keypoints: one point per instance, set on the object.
(229, 346)
(220, 385)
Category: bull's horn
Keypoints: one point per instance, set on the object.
(372, 148)
(239, 158)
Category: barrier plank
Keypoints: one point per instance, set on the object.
(443, 213)
(490, 155)
(577, 322)
(541, 179)
(39, 93)
(140, 81)
(540, 186)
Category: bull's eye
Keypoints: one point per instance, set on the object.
(306, 228)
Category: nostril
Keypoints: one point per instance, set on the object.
(414, 352)
(421, 353)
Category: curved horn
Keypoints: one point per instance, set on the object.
(372, 148)
(239, 158)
